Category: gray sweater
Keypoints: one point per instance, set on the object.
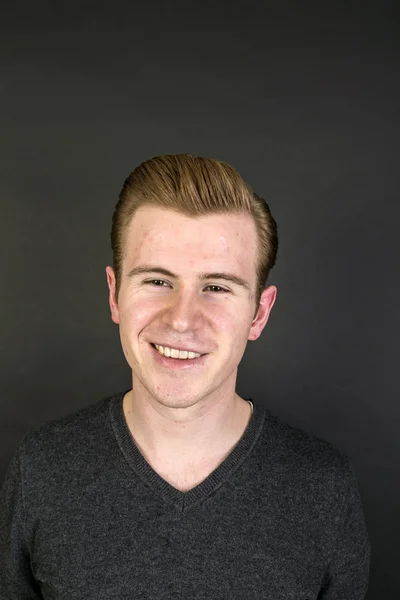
(84, 516)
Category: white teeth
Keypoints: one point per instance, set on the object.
(171, 352)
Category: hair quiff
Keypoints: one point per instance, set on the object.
(193, 186)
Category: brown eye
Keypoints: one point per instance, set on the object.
(156, 281)
(222, 290)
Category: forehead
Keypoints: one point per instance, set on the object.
(159, 234)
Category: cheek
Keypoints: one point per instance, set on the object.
(135, 316)
(132, 322)
(233, 324)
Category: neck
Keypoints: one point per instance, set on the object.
(186, 434)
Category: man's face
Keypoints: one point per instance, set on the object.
(212, 316)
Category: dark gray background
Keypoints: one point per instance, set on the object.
(303, 99)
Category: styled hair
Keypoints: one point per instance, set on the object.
(193, 186)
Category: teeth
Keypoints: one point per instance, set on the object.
(171, 352)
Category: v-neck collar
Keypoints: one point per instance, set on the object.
(183, 500)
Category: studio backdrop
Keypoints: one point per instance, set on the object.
(304, 102)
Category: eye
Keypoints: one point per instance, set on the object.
(156, 280)
(220, 289)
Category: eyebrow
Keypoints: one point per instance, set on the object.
(201, 276)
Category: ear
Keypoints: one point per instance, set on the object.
(112, 298)
(267, 301)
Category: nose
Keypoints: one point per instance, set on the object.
(183, 312)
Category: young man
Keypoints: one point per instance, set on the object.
(179, 488)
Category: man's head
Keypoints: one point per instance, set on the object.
(195, 187)
(192, 249)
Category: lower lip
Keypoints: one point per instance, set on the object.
(177, 363)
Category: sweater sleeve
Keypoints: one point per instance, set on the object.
(16, 578)
(347, 575)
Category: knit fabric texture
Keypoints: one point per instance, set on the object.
(83, 516)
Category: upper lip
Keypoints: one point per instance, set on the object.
(178, 347)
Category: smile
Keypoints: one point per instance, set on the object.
(178, 365)
(173, 353)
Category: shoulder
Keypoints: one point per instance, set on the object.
(305, 457)
(60, 440)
